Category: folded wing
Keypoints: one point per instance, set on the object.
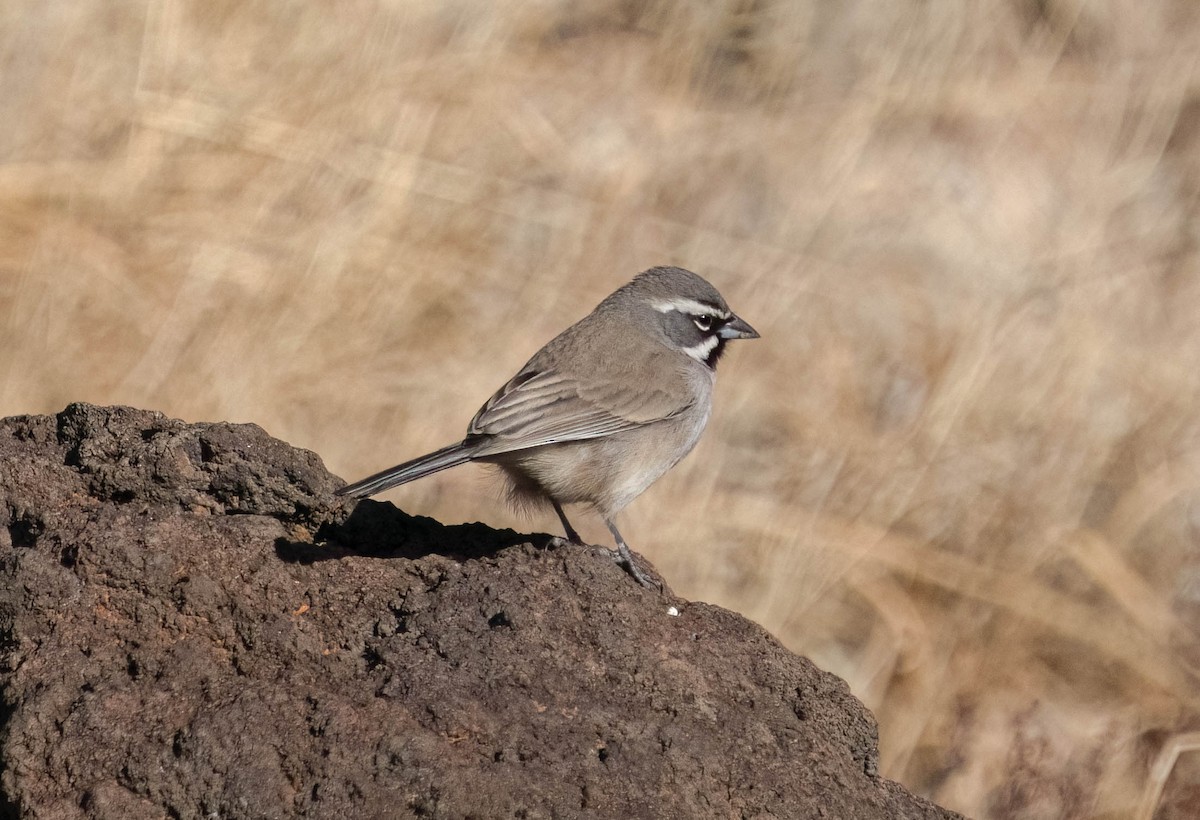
(539, 407)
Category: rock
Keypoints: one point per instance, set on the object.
(192, 626)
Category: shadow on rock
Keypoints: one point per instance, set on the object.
(376, 529)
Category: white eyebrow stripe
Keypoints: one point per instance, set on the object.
(690, 307)
(700, 352)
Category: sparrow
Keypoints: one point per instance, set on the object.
(604, 409)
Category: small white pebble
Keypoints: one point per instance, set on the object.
(673, 612)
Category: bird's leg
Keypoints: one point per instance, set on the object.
(572, 536)
(625, 558)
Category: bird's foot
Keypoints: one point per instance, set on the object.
(621, 555)
(624, 559)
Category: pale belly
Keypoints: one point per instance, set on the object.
(607, 473)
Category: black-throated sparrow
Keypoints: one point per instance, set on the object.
(605, 408)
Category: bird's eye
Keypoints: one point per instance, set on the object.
(705, 322)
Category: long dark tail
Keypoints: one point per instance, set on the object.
(436, 461)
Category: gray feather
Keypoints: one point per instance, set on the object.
(434, 462)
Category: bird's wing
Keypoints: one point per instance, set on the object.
(540, 407)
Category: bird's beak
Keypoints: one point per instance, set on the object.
(737, 328)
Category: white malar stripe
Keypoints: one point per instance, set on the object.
(701, 351)
(690, 307)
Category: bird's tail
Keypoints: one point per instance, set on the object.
(434, 462)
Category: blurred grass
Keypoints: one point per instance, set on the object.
(961, 469)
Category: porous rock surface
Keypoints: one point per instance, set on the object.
(192, 626)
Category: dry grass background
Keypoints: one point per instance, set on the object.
(962, 467)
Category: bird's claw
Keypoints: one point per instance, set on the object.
(627, 563)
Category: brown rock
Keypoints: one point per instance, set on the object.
(193, 627)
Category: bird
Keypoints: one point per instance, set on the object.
(604, 409)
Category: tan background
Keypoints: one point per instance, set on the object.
(962, 467)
